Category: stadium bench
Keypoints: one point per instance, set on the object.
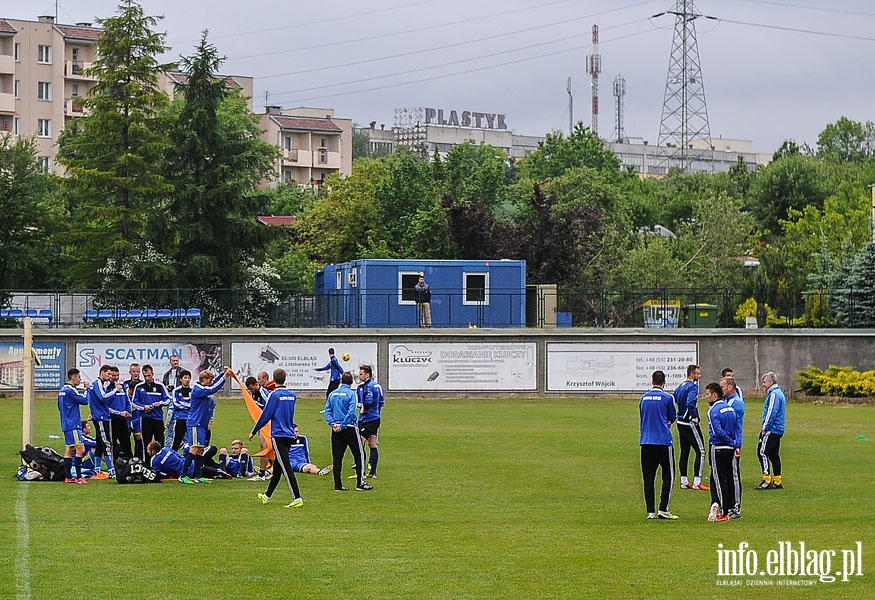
(20, 313)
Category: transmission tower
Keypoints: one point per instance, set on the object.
(619, 136)
(594, 67)
(684, 112)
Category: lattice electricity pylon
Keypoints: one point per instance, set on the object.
(684, 132)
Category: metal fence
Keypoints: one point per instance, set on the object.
(575, 307)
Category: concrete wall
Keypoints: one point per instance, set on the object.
(748, 352)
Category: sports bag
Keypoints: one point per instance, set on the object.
(134, 471)
(45, 461)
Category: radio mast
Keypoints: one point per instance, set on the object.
(594, 67)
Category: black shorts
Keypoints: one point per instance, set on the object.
(370, 428)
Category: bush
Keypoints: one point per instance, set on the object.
(837, 381)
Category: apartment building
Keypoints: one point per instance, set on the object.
(313, 143)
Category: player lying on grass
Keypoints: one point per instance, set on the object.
(170, 464)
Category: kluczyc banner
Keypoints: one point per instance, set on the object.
(193, 357)
(463, 366)
(300, 361)
(48, 375)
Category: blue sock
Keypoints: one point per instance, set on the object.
(68, 467)
(198, 466)
(375, 456)
(77, 463)
(186, 464)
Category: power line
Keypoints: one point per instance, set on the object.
(827, 10)
(797, 30)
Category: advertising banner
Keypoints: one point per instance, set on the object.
(194, 357)
(617, 366)
(300, 361)
(463, 366)
(50, 374)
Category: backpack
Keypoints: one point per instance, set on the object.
(134, 471)
(45, 461)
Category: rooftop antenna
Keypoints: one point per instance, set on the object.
(594, 67)
(619, 94)
(684, 112)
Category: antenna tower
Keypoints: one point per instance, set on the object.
(619, 92)
(594, 67)
(684, 112)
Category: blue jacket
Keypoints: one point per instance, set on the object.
(774, 410)
(340, 407)
(737, 405)
(723, 425)
(280, 411)
(657, 412)
(334, 365)
(154, 393)
(99, 398)
(169, 463)
(181, 402)
(69, 401)
(199, 413)
(370, 398)
(687, 398)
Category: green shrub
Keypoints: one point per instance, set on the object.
(837, 381)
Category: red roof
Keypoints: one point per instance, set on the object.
(272, 221)
(77, 32)
(306, 123)
(5, 27)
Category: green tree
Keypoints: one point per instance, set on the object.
(408, 190)
(114, 154)
(847, 141)
(557, 153)
(793, 182)
(854, 299)
(215, 162)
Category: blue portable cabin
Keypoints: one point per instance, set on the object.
(379, 293)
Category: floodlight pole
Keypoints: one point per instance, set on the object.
(27, 406)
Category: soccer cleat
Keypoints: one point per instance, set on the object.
(341, 489)
(687, 486)
(776, 486)
(666, 515)
(733, 514)
(203, 480)
(701, 486)
(715, 510)
(184, 479)
(82, 481)
(371, 475)
(100, 476)
(111, 474)
(764, 485)
(265, 499)
(325, 470)
(651, 515)
(364, 487)
(295, 504)
(70, 480)
(257, 478)
(353, 476)
(722, 518)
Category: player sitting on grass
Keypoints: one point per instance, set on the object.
(170, 464)
(238, 463)
(299, 457)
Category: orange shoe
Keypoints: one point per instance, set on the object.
(701, 486)
(69, 480)
(82, 481)
(100, 476)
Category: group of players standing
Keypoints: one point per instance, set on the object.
(658, 410)
(119, 410)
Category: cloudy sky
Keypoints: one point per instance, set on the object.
(772, 70)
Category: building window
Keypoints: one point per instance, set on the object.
(16, 89)
(475, 288)
(16, 126)
(339, 280)
(407, 280)
(44, 128)
(74, 90)
(44, 90)
(287, 142)
(44, 55)
(45, 163)
(16, 50)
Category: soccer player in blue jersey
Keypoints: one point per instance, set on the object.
(151, 397)
(279, 410)
(657, 413)
(259, 395)
(769, 445)
(299, 457)
(69, 401)
(170, 463)
(370, 400)
(340, 414)
(690, 435)
(199, 420)
(121, 413)
(723, 443)
(733, 399)
(336, 371)
(237, 462)
(181, 404)
(99, 394)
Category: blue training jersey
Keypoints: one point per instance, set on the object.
(181, 402)
(687, 397)
(723, 425)
(69, 401)
(335, 368)
(280, 411)
(99, 395)
(200, 411)
(657, 412)
(737, 405)
(774, 410)
(169, 463)
(340, 407)
(146, 394)
(370, 398)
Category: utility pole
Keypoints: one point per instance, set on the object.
(594, 67)
(684, 112)
(570, 110)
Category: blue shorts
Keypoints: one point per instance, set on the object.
(197, 436)
(136, 425)
(73, 437)
(297, 458)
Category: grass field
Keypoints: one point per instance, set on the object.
(476, 499)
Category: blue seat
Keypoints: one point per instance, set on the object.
(16, 313)
(4, 313)
(194, 313)
(135, 313)
(120, 313)
(104, 313)
(46, 313)
(90, 315)
(31, 312)
(164, 313)
(178, 313)
(150, 313)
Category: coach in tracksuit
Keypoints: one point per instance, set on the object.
(687, 396)
(724, 451)
(280, 411)
(340, 413)
(774, 410)
(657, 413)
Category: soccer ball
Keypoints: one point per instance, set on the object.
(345, 356)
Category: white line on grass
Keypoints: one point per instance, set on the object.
(22, 557)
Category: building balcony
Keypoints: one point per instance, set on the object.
(74, 107)
(322, 158)
(292, 157)
(7, 65)
(75, 69)
(7, 104)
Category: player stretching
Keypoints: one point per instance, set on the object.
(198, 421)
